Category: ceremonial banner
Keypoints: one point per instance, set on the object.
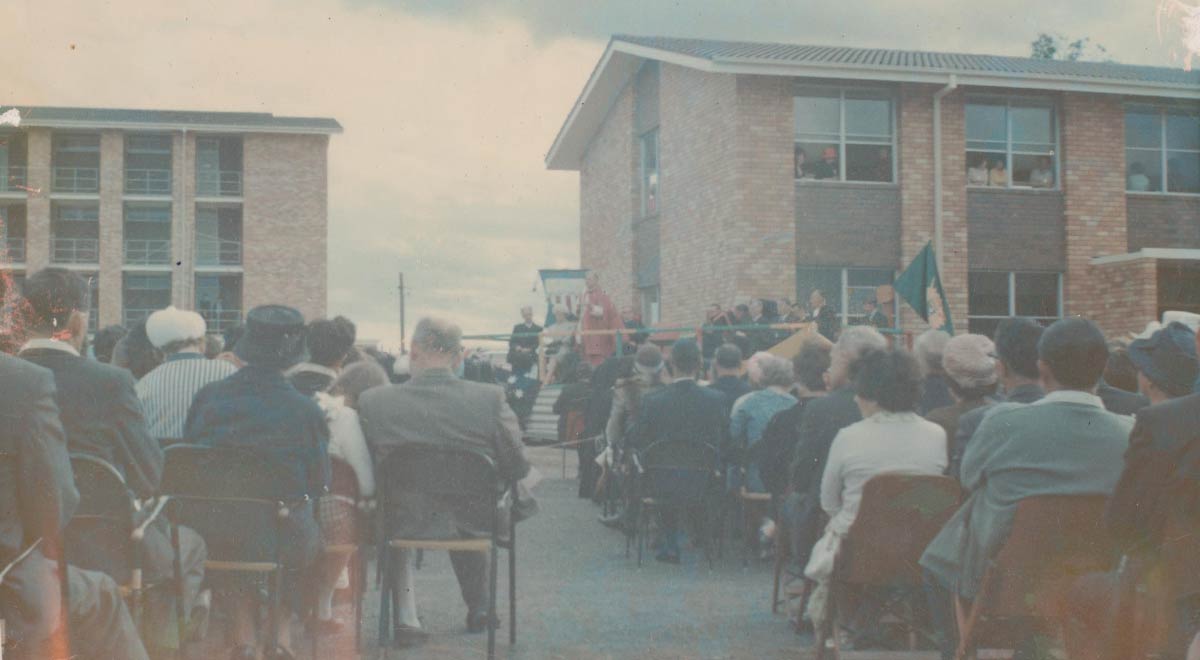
(564, 289)
(921, 287)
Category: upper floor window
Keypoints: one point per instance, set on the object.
(1162, 149)
(844, 135)
(76, 163)
(996, 295)
(1012, 143)
(648, 144)
(148, 164)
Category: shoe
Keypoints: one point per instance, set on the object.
(477, 622)
(278, 653)
(242, 652)
(408, 637)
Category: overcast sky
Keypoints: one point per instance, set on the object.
(449, 106)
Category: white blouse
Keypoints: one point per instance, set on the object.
(346, 440)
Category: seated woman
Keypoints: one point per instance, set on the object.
(998, 175)
(977, 174)
(336, 515)
(752, 413)
(890, 438)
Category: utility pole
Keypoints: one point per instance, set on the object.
(403, 347)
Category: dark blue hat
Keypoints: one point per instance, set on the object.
(274, 337)
(1168, 358)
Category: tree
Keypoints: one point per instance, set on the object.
(1057, 47)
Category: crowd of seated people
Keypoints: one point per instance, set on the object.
(296, 395)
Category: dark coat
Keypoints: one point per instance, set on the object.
(102, 416)
(947, 417)
(774, 451)
(528, 343)
(1162, 471)
(733, 387)
(1117, 400)
(829, 323)
(37, 495)
(822, 420)
(680, 412)
(935, 393)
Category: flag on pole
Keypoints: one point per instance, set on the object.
(921, 287)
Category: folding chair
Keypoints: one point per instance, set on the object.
(676, 474)
(344, 489)
(238, 501)
(111, 524)
(1054, 540)
(897, 518)
(458, 479)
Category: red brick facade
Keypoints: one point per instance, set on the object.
(1130, 296)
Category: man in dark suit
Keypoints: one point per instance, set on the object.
(102, 416)
(37, 498)
(727, 375)
(826, 318)
(437, 408)
(524, 340)
(680, 412)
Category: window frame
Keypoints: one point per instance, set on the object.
(1161, 110)
(648, 318)
(643, 187)
(843, 298)
(1020, 101)
(825, 90)
(1012, 295)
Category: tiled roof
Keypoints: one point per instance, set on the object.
(880, 58)
(118, 117)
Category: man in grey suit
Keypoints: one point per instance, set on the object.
(438, 408)
(1064, 444)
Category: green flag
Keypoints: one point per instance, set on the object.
(921, 287)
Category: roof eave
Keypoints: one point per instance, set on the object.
(181, 126)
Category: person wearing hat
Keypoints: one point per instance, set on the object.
(257, 409)
(1166, 362)
(1161, 478)
(166, 393)
(970, 367)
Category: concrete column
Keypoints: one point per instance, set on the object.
(112, 220)
(37, 209)
(183, 220)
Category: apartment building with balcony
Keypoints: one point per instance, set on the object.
(713, 172)
(212, 211)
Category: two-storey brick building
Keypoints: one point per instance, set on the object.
(713, 172)
(212, 211)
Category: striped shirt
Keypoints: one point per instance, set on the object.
(166, 392)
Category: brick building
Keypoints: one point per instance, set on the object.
(212, 211)
(1050, 188)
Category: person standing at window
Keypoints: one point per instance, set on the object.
(977, 175)
(1042, 176)
(1137, 180)
(827, 167)
(998, 176)
(801, 163)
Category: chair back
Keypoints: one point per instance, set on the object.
(235, 499)
(456, 479)
(678, 471)
(99, 535)
(1054, 540)
(897, 519)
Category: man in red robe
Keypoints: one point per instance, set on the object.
(597, 312)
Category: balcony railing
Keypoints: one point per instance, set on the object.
(219, 320)
(14, 180)
(134, 314)
(12, 250)
(147, 182)
(76, 179)
(218, 252)
(147, 252)
(219, 183)
(75, 250)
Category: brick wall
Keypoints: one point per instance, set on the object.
(37, 219)
(1016, 230)
(112, 226)
(1129, 299)
(698, 264)
(284, 221)
(1093, 129)
(607, 192)
(1163, 222)
(917, 190)
(847, 224)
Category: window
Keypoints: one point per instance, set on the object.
(1162, 149)
(1011, 143)
(93, 280)
(649, 173)
(997, 295)
(147, 234)
(218, 166)
(218, 235)
(76, 166)
(148, 164)
(844, 135)
(74, 234)
(219, 301)
(650, 305)
(144, 294)
(847, 289)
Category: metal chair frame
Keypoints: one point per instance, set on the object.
(363, 507)
(645, 467)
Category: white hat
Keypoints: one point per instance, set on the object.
(1187, 318)
(402, 366)
(170, 325)
(968, 361)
